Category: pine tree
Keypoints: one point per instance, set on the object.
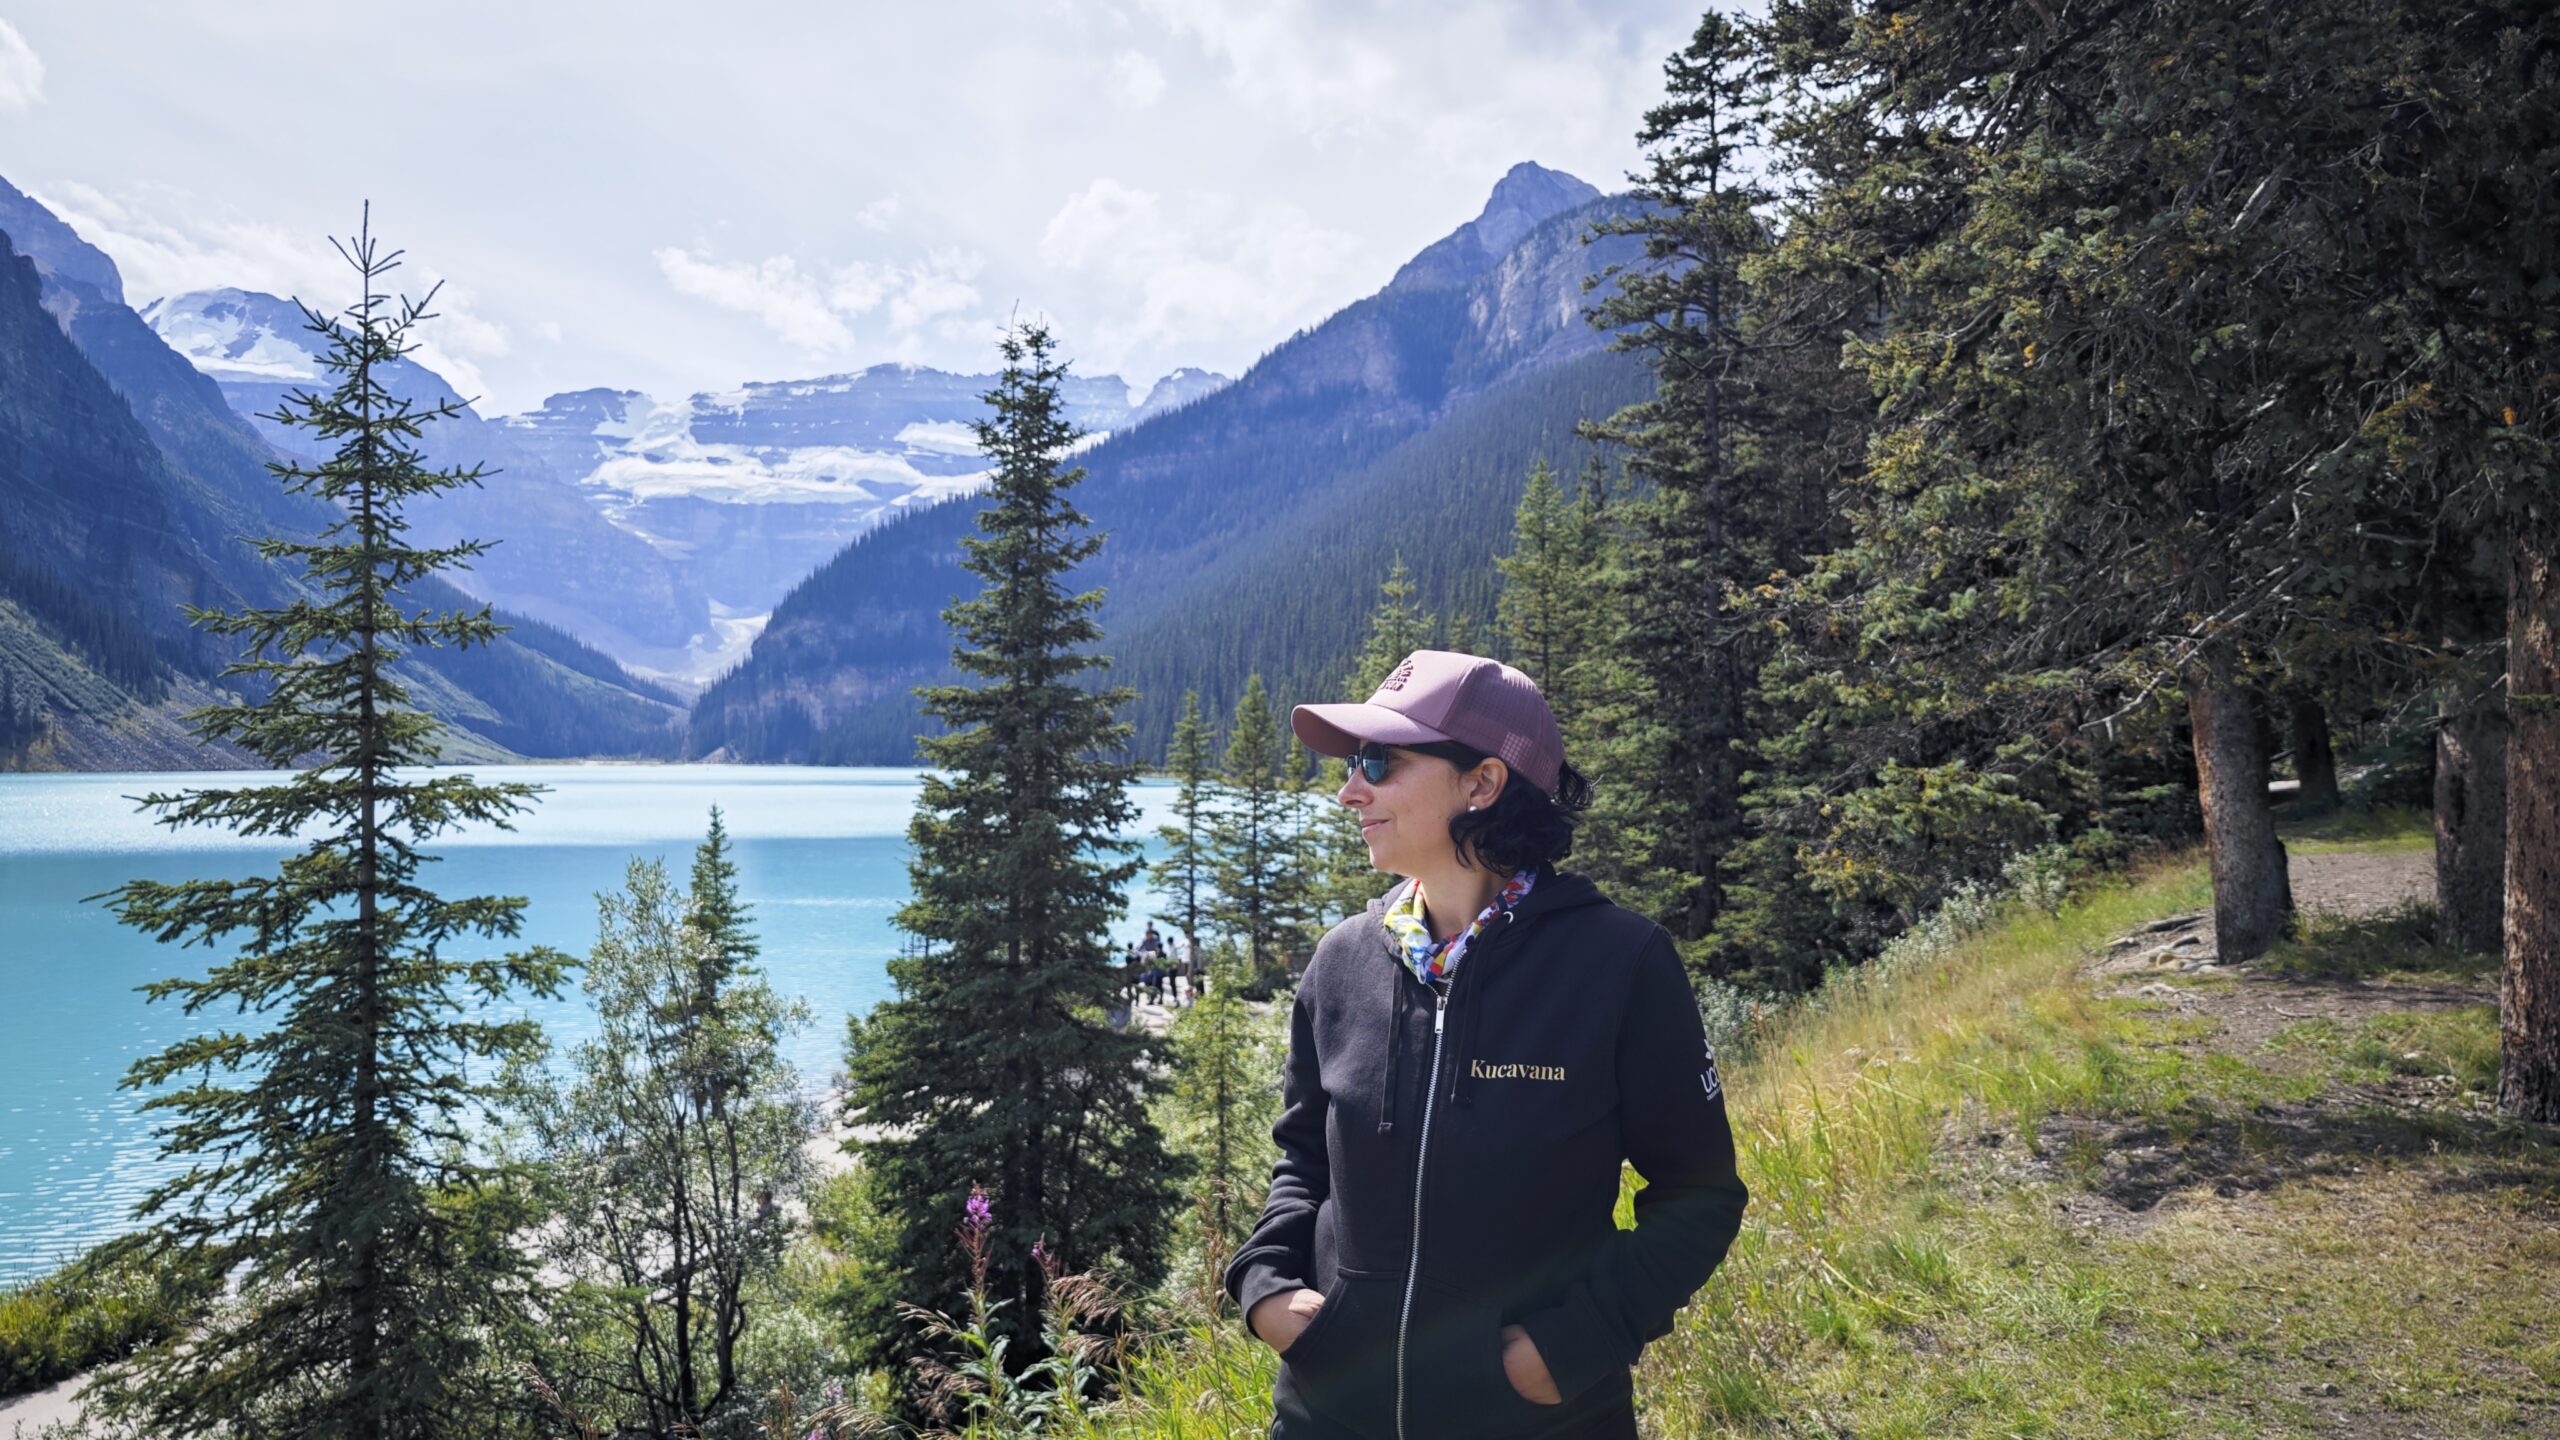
(21, 720)
(1343, 882)
(993, 1064)
(1719, 513)
(328, 1167)
(1545, 614)
(669, 1154)
(1397, 628)
(1182, 875)
(1227, 1093)
(1256, 860)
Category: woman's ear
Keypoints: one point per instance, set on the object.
(1485, 782)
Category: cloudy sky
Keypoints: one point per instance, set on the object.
(684, 197)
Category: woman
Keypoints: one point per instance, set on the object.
(1470, 1061)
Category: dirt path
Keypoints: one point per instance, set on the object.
(2342, 1140)
(2165, 961)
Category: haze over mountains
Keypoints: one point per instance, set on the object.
(662, 532)
(127, 484)
(1249, 531)
(1250, 521)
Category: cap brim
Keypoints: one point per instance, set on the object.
(1338, 730)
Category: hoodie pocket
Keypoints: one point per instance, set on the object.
(1454, 1380)
(1344, 1363)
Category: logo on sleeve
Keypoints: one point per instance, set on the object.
(1708, 1079)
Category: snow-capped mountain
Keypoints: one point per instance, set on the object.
(737, 494)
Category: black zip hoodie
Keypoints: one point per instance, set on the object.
(1433, 1201)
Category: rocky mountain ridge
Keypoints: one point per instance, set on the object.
(1329, 443)
(664, 532)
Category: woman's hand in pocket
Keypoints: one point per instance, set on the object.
(1526, 1368)
(1279, 1319)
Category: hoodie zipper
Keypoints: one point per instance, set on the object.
(1421, 1162)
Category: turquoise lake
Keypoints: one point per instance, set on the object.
(821, 856)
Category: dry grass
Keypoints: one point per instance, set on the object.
(1987, 1201)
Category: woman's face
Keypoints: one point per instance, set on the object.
(1405, 817)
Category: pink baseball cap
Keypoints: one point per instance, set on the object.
(1440, 695)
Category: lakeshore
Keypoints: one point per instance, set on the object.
(821, 856)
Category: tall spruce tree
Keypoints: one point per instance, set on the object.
(993, 1064)
(1256, 860)
(1563, 608)
(1722, 507)
(1183, 874)
(329, 1168)
(1545, 611)
(1342, 881)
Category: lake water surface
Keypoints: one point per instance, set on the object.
(821, 857)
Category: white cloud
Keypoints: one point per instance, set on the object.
(880, 214)
(790, 304)
(1468, 87)
(21, 71)
(1326, 78)
(457, 340)
(811, 313)
(167, 241)
(1136, 81)
(1176, 273)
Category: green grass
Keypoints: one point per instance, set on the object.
(2354, 828)
(2461, 1044)
(2397, 945)
(1988, 1202)
(100, 1307)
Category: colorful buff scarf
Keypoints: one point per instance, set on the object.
(1432, 960)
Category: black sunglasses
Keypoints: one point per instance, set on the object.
(1372, 760)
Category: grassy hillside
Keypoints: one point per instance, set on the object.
(2031, 1177)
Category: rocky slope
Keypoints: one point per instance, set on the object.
(1297, 485)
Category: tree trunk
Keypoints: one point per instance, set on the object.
(2471, 823)
(2315, 765)
(2529, 991)
(2252, 892)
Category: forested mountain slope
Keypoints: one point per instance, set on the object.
(1249, 530)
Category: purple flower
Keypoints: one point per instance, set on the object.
(980, 1215)
(1040, 1252)
(835, 1392)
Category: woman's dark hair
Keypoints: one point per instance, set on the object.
(1525, 829)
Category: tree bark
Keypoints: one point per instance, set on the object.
(2529, 990)
(2315, 765)
(2471, 823)
(2252, 891)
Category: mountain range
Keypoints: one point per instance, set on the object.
(660, 532)
(1248, 531)
(792, 544)
(129, 488)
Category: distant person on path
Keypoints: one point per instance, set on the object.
(1470, 1061)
